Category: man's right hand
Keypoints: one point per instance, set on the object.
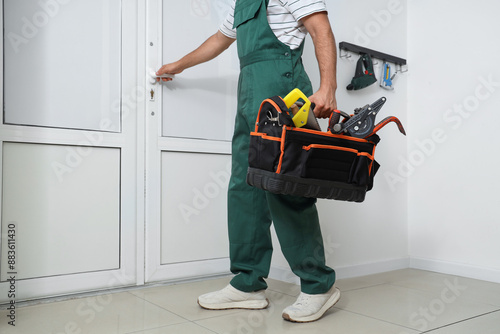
(172, 68)
(210, 49)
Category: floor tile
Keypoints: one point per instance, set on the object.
(186, 328)
(486, 324)
(377, 279)
(355, 282)
(283, 287)
(467, 288)
(247, 321)
(410, 308)
(115, 313)
(182, 299)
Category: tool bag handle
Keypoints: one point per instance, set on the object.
(277, 107)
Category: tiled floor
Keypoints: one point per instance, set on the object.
(399, 302)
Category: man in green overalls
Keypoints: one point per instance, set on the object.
(272, 67)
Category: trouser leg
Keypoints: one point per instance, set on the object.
(250, 245)
(297, 226)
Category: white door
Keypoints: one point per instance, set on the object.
(109, 179)
(68, 138)
(189, 129)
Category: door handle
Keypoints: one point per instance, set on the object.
(153, 76)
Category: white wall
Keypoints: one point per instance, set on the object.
(362, 238)
(434, 200)
(453, 99)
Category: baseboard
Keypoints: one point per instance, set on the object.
(286, 275)
(457, 269)
(372, 268)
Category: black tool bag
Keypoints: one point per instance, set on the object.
(284, 159)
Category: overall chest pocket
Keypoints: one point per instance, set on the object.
(245, 10)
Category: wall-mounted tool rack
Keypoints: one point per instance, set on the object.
(348, 47)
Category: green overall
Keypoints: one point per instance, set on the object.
(268, 68)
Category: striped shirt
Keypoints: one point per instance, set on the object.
(284, 19)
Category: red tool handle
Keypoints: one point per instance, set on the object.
(384, 122)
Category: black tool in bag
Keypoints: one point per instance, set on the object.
(287, 157)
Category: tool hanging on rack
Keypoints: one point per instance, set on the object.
(364, 75)
(386, 77)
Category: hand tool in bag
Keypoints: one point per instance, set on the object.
(362, 123)
(384, 122)
(386, 78)
(302, 114)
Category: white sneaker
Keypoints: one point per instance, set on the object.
(229, 298)
(309, 308)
